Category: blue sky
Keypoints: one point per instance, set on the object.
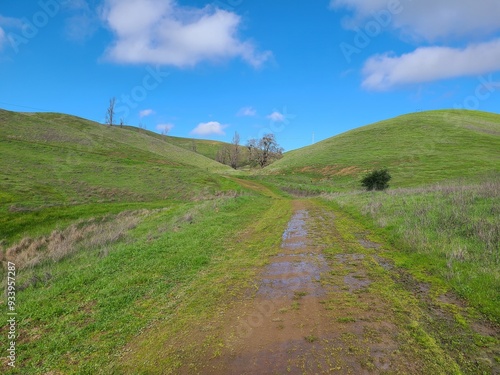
(303, 70)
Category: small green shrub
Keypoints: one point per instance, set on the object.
(376, 180)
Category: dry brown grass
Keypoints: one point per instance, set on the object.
(462, 216)
(86, 234)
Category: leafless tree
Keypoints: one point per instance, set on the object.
(193, 146)
(223, 155)
(234, 152)
(121, 122)
(110, 113)
(264, 151)
(252, 150)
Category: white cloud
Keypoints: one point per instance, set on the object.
(164, 128)
(428, 64)
(162, 32)
(146, 113)
(209, 128)
(428, 19)
(247, 112)
(276, 116)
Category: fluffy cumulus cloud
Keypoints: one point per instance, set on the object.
(428, 64)
(163, 32)
(472, 24)
(146, 113)
(247, 112)
(429, 19)
(209, 128)
(164, 128)
(276, 116)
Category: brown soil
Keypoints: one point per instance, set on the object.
(303, 320)
(331, 302)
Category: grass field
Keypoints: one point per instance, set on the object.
(419, 148)
(62, 167)
(78, 312)
(119, 231)
(450, 231)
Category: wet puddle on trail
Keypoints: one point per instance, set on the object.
(303, 318)
(298, 267)
(270, 336)
(296, 227)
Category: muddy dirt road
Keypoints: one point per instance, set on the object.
(331, 302)
(322, 307)
(311, 315)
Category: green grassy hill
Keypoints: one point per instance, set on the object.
(203, 147)
(123, 242)
(59, 160)
(207, 148)
(417, 148)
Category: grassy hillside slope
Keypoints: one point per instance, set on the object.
(59, 160)
(207, 148)
(123, 242)
(417, 148)
(203, 147)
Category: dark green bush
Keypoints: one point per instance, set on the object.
(376, 180)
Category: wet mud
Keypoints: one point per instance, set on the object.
(299, 322)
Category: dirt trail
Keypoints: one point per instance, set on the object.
(329, 302)
(303, 320)
(255, 186)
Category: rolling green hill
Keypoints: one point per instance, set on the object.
(417, 148)
(131, 251)
(59, 160)
(207, 148)
(203, 147)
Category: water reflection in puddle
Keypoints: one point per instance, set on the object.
(296, 227)
(298, 267)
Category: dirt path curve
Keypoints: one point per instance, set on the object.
(303, 319)
(255, 186)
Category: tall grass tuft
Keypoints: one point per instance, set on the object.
(88, 234)
(453, 228)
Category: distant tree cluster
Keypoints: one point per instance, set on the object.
(264, 151)
(261, 152)
(376, 180)
(230, 154)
